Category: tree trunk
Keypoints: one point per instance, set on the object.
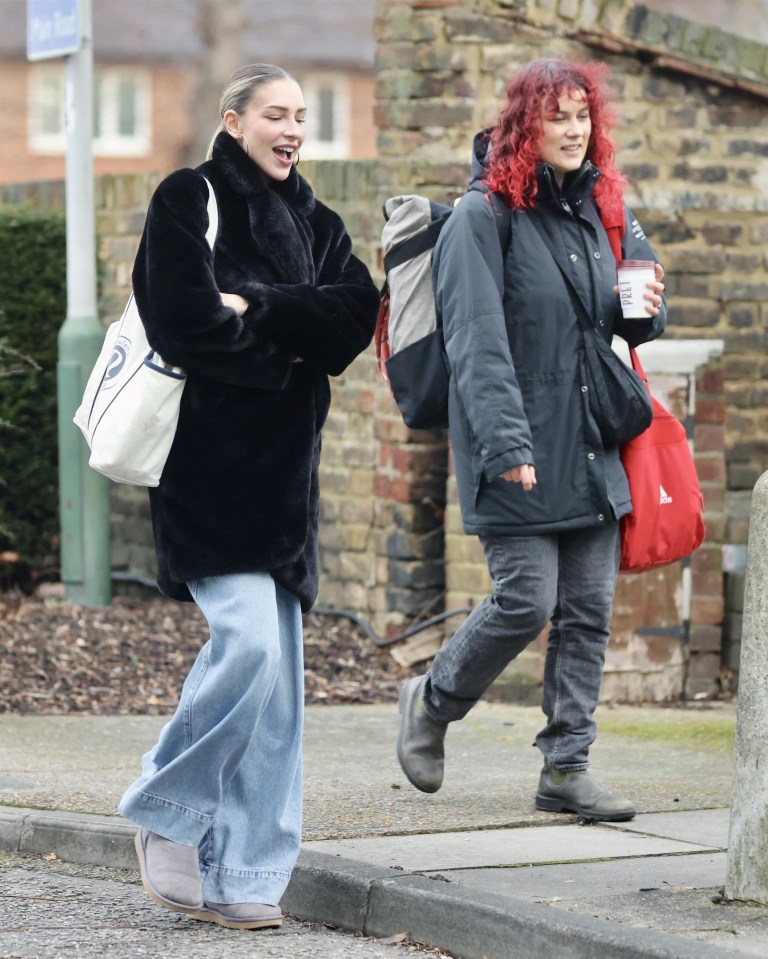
(220, 26)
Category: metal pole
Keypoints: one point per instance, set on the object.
(83, 493)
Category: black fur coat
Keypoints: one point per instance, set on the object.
(239, 492)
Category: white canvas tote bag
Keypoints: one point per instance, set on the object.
(130, 406)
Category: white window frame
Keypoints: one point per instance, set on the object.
(110, 142)
(339, 147)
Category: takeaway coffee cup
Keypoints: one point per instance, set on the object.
(633, 276)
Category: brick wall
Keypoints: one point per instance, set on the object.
(693, 139)
(696, 147)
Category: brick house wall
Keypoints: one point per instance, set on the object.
(171, 90)
(172, 87)
(362, 129)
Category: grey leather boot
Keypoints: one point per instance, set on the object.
(170, 872)
(578, 792)
(420, 746)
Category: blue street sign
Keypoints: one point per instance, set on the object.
(53, 28)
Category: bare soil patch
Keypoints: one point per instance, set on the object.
(132, 656)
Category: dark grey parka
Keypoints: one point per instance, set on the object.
(514, 348)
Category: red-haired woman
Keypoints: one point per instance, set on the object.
(537, 483)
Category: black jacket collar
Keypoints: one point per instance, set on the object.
(577, 185)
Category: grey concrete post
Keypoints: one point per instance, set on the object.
(83, 493)
(748, 842)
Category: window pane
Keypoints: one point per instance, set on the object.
(325, 125)
(51, 105)
(126, 106)
(98, 100)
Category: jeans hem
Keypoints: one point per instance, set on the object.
(213, 867)
(166, 818)
(228, 886)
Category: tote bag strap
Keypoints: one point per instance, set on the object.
(637, 366)
(582, 317)
(213, 215)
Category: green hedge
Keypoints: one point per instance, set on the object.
(32, 310)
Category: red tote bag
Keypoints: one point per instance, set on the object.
(665, 524)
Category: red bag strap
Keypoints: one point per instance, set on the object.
(614, 225)
(381, 336)
(637, 366)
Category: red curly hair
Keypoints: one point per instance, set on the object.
(515, 139)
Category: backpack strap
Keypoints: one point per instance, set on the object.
(213, 215)
(505, 221)
(503, 217)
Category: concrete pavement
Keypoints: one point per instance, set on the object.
(474, 869)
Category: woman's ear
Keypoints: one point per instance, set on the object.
(231, 121)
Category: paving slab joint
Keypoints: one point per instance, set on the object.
(12, 821)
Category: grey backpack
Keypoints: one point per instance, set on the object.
(409, 333)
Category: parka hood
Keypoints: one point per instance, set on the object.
(481, 144)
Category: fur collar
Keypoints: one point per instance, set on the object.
(279, 211)
(247, 179)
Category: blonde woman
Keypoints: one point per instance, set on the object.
(259, 324)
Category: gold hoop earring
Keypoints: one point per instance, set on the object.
(246, 147)
(296, 159)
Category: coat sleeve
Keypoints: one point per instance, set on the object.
(468, 278)
(180, 303)
(635, 246)
(327, 324)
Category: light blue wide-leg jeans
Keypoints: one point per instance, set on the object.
(226, 772)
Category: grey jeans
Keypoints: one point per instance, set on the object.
(567, 579)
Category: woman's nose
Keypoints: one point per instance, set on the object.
(293, 128)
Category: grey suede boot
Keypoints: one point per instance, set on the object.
(170, 872)
(242, 915)
(420, 747)
(577, 791)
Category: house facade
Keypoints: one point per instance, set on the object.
(147, 74)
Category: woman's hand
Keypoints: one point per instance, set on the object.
(525, 474)
(654, 294)
(655, 291)
(236, 302)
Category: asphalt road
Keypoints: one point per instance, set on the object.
(55, 910)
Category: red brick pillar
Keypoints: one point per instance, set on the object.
(707, 600)
(409, 490)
